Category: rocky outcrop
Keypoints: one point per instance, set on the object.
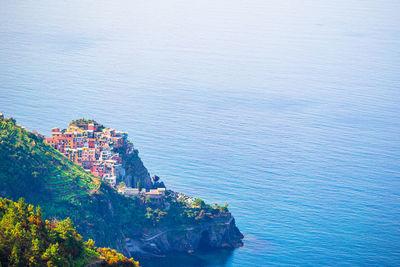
(135, 171)
(157, 183)
(220, 232)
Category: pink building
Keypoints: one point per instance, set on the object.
(92, 127)
(55, 132)
(97, 169)
(92, 143)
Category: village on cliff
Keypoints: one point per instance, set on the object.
(97, 149)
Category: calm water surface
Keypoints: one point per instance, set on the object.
(287, 110)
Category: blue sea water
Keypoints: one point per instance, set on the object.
(288, 110)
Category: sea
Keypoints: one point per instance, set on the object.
(287, 110)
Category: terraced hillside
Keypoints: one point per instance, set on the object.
(26, 158)
(31, 169)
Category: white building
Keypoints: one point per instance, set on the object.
(128, 191)
(112, 180)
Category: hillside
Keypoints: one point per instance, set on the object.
(35, 171)
(31, 169)
(26, 239)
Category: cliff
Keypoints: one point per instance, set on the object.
(220, 232)
(135, 171)
(135, 226)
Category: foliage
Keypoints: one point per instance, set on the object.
(182, 212)
(27, 240)
(84, 122)
(31, 169)
(121, 185)
(156, 215)
(113, 258)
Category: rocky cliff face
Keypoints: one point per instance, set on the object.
(220, 232)
(135, 171)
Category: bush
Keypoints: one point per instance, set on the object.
(25, 240)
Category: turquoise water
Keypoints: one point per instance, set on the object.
(287, 110)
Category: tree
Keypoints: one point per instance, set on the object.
(35, 252)
(25, 240)
(224, 209)
(121, 184)
(52, 256)
(199, 203)
(90, 244)
(15, 255)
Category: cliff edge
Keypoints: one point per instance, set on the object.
(219, 232)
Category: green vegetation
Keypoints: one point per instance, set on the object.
(27, 240)
(114, 258)
(181, 211)
(35, 171)
(31, 169)
(84, 122)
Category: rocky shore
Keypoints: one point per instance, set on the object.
(220, 232)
